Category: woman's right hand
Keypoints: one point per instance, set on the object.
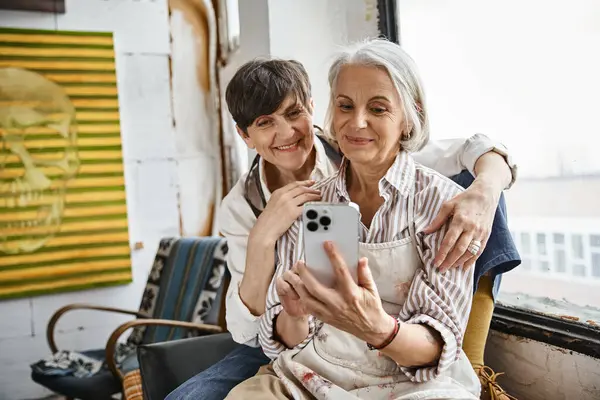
(283, 208)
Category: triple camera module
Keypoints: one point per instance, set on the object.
(316, 221)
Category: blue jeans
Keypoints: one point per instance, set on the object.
(215, 382)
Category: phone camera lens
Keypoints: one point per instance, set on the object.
(312, 226)
(325, 221)
(312, 214)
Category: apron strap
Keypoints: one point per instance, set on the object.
(253, 193)
(332, 151)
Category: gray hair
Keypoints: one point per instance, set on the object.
(389, 56)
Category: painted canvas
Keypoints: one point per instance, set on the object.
(63, 216)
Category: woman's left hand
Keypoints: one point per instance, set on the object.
(472, 215)
(350, 307)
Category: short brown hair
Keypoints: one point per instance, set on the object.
(260, 86)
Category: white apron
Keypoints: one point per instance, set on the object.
(337, 365)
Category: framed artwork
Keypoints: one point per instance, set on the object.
(53, 6)
(63, 215)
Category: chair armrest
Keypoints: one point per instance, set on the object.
(111, 344)
(165, 366)
(63, 310)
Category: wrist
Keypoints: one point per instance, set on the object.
(493, 169)
(261, 238)
(385, 335)
(289, 330)
(488, 186)
(293, 319)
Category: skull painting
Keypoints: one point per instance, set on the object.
(38, 157)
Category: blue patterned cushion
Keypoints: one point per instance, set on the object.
(184, 283)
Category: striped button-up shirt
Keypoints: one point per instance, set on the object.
(439, 300)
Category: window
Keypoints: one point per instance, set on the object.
(560, 255)
(525, 73)
(525, 250)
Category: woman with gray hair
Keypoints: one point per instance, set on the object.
(396, 332)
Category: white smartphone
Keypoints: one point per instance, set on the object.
(338, 223)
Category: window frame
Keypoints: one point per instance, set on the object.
(560, 332)
(563, 332)
(49, 6)
(388, 23)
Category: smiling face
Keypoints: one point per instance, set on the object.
(284, 138)
(368, 117)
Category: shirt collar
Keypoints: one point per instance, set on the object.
(400, 176)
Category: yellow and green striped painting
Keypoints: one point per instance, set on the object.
(63, 217)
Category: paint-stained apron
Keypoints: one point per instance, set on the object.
(337, 365)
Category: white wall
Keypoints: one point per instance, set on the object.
(537, 371)
(142, 46)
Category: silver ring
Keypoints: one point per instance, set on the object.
(474, 247)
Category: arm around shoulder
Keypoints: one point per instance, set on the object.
(451, 156)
